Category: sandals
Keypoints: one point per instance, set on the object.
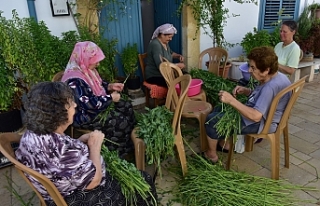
(204, 155)
(219, 148)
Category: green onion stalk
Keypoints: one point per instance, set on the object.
(130, 179)
(206, 184)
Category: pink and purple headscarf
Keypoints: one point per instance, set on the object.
(164, 29)
(83, 55)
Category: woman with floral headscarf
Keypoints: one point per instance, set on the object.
(93, 96)
(157, 49)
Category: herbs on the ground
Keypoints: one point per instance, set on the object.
(207, 184)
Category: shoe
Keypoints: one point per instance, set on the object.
(220, 149)
(204, 155)
(258, 140)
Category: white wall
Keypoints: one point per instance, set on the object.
(238, 26)
(56, 25)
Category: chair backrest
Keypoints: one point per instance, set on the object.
(216, 55)
(57, 77)
(142, 63)
(6, 139)
(169, 71)
(295, 90)
(175, 102)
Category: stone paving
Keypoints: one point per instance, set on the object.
(304, 169)
(304, 129)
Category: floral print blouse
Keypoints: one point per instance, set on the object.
(88, 104)
(65, 161)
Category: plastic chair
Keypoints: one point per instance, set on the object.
(57, 78)
(216, 56)
(6, 139)
(175, 104)
(191, 109)
(282, 128)
(153, 91)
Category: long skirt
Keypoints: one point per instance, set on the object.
(117, 128)
(108, 195)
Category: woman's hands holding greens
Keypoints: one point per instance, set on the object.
(115, 96)
(115, 87)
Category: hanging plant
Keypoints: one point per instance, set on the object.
(211, 15)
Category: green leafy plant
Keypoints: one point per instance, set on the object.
(156, 131)
(212, 14)
(303, 34)
(254, 39)
(129, 57)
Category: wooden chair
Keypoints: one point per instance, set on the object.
(175, 104)
(191, 109)
(6, 139)
(216, 57)
(57, 78)
(153, 91)
(282, 128)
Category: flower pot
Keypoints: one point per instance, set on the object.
(224, 72)
(317, 14)
(10, 121)
(133, 83)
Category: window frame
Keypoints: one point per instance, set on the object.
(262, 12)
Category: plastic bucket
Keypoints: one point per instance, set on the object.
(244, 68)
(194, 88)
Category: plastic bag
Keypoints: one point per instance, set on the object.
(239, 145)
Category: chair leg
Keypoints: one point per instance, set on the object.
(72, 131)
(275, 157)
(230, 153)
(203, 135)
(140, 152)
(248, 143)
(156, 102)
(182, 154)
(286, 146)
(147, 93)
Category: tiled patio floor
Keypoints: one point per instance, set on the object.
(304, 169)
(304, 129)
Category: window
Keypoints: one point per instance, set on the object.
(269, 12)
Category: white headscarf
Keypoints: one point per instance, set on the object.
(164, 29)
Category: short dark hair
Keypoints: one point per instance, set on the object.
(265, 58)
(46, 106)
(291, 24)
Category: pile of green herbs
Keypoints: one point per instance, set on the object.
(206, 184)
(230, 123)
(130, 179)
(156, 131)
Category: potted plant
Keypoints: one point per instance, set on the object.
(315, 10)
(303, 34)
(129, 57)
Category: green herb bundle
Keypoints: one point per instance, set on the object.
(156, 131)
(230, 123)
(129, 177)
(212, 84)
(206, 184)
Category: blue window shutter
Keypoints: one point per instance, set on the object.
(269, 12)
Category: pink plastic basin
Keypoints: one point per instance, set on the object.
(244, 68)
(194, 88)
